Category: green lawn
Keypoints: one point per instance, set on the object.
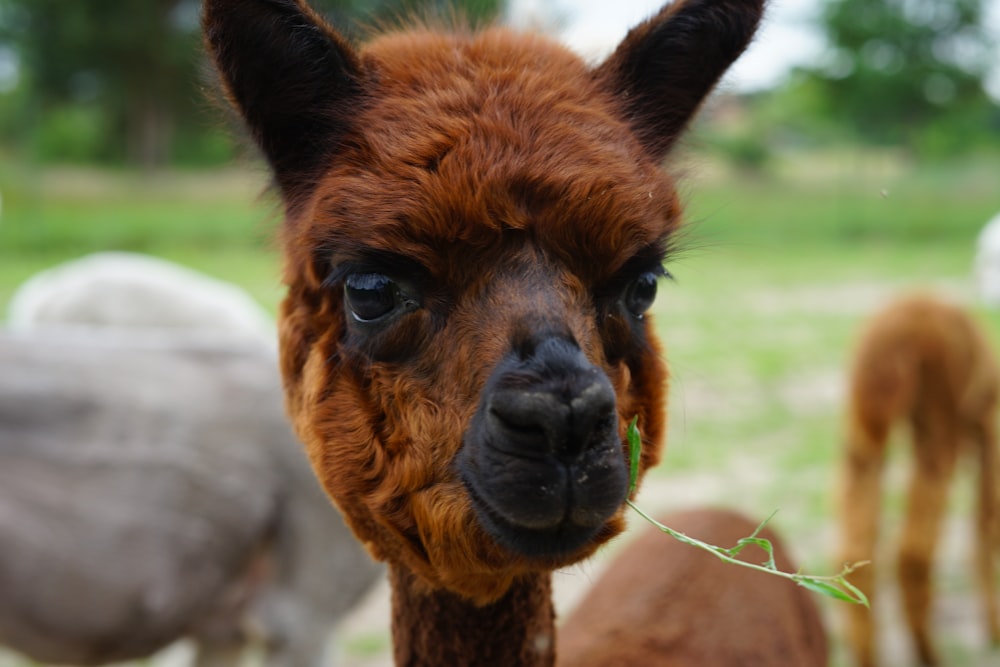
(759, 325)
(222, 223)
(771, 283)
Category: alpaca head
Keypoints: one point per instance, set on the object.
(475, 224)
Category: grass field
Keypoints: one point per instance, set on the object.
(775, 275)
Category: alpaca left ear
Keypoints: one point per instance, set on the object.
(294, 79)
(665, 68)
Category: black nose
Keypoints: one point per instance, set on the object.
(559, 404)
(542, 458)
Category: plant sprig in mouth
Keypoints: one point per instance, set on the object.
(835, 586)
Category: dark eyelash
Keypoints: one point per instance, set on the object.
(647, 260)
(390, 264)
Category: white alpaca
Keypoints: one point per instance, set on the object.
(153, 390)
(155, 492)
(987, 262)
(134, 291)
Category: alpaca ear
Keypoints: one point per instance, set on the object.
(665, 68)
(294, 80)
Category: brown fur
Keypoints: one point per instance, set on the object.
(407, 505)
(928, 365)
(518, 193)
(669, 604)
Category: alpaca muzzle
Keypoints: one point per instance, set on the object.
(542, 459)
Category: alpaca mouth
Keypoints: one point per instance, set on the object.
(544, 507)
(542, 458)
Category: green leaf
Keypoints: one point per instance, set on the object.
(830, 590)
(761, 542)
(634, 451)
(859, 597)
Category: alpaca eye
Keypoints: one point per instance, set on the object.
(371, 296)
(640, 294)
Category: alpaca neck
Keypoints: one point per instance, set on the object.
(434, 628)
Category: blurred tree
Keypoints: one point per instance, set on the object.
(905, 72)
(116, 80)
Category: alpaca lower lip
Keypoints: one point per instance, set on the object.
(544, 506)
(562, 538)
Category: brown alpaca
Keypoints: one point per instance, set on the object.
(474, 226)
(668, 604)
(926, 364)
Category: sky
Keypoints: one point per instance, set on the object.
(786, 39)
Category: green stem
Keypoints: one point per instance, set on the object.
(835, 586)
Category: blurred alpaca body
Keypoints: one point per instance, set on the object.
(135, 291)
(150, 486)
(666, 604)
(926, 364)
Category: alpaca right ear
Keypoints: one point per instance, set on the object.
(294, 80)
(665, 68)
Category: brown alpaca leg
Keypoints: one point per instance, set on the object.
(936, 453)
(986, 521)
(860, 503)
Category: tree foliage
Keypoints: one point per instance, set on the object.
(905, 72)
(113, 80)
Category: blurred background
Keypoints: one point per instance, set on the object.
(853, 154)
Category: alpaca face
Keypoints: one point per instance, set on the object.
(475, 226)
(478, 303)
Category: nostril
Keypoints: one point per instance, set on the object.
(514, 429)
(593, 417)
(534, 423)
(593, 406)
(605, 424)
(527, 422)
